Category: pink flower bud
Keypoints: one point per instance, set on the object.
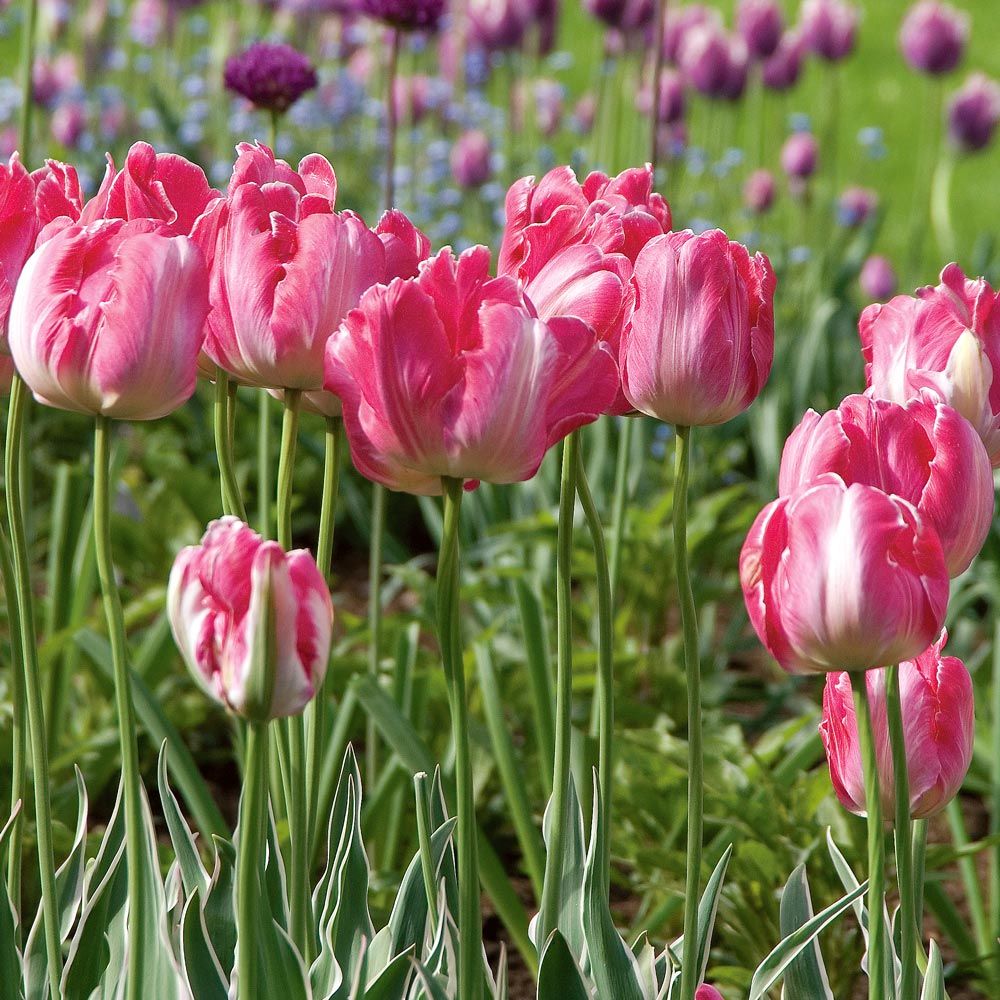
(878, 279)
(470, 159)
(938, 729)
(706, 992)
(926, 453)
(108, 319)
(759, 191)
(933, 37)
(800, 155)
(450, 374)
(973, 113)
(699, 346)
(945, 339)
(252, 622)
(839, 577)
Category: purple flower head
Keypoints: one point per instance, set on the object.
(470, 159)
(760, 24)
(782, 70)
(683, 20)
(973, 113)
(800, 155)
(496, 25)
(271, 76)
(627, 16)
(856, 206)
(407, 15)
(933, 37)
(877, 279)
(759, 191)
(829, 28)
(714, 63)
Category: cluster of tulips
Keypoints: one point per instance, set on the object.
(442, 375)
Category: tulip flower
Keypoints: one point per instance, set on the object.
(18, 229)
(973, 113)
(699, 345)
(714, 63)
(800, 156)
(151, 185)
(781, 71)
(451, 374)
(471, 159)
(286, 268)
(108, 319)
(58, 196)
(405, 15)
(759, 192)
(706, 992)
(938, 728)
(933, 37)
(925, 452)
(232, 591)
(760, 23)
(829, 28)
(839, 577)
(878, 279)
(944, 339)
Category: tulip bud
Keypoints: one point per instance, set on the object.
(973, 113)
(251, 622)
(878, 278)
(800, 155)
(470, 159)
(829, 28)
(938, 724)
(700, 343)
(759, 192)
(706, 992)
(839, 577)
(781, 71)
(933, 37)
(760, 22)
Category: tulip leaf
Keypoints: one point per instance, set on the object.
(201, 965)
(193, 874)
(219, 909)
(10, 961)
(612, 965)
(806, 977)
(773, 967)
(559, 977)
(391, 982)
(934, 976)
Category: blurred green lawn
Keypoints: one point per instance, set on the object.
(877, 89)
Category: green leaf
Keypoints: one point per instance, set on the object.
(219, 906)
(10, 960)
(391, 982)
(193, 874)
(559, 977)
(612, 964)
(773, 967)
(934, 977)
(805, 977)
(201, 965)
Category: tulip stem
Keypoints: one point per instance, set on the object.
(32, 683)
(253, 816)
(264, 463)
(552, 884)
(876, 840)
(919, 872)
(690, 973)
(620, 502)
(903, 837)
(994, 757)
(299, 792)
(424, 842)
(19, 761)
(232, 502)
(470, 933)
(315, 713)
(134, 833)
(605, 659)
(375, 569)
(27, 80)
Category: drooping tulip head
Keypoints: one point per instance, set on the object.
(925, 452)
(451, 374)
(251, 621)
(938, 730)
(945, 339)
(839, 577)
(699, 346)
(109, 319)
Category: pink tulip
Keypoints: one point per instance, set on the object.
(229, 589)
(151, 185)
(618, 215)
(706, 992)
(699, 345)
(58, 196)
(926, 453)
(944, 339)
(839, 577)
(108, 319)
(18, 229)
(938, 730)
(451, 374)
(286, 268)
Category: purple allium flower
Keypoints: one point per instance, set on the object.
(407, 15)
(933, 37)
(855, 206)
(878, 279)
(782, 70)
(759, 191)
(760, 24)
(829, 28)
(271, 76)
(800, 155)
(973, 113)
(471, 159)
